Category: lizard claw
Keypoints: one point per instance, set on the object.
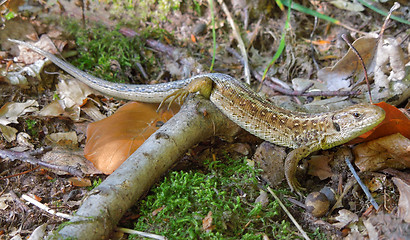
(296, 187)
(179, 95)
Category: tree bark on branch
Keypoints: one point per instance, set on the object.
(104, 206)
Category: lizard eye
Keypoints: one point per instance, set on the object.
(356, 115)
(337, 126)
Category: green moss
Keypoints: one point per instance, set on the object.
(156, 10)
(108, 54)
(228, 190)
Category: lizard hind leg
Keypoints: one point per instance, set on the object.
(201, 84)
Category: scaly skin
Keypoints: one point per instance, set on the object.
(303, 132)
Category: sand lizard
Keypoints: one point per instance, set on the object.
(303, 132)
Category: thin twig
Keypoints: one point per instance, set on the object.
(312, 49)
(18, 174)
(364, 188)
(254, 33)
(290, 92)
(29, 157)
(44, 207)
(238, 37)
(83, 13)
(211, 7)
(338, 203)
(362, 63)
(22, 206)
(68, 216)
(5, 188)
(281, 87)
(142, 70)
(395, 6)
(289, 214)
(144, 234)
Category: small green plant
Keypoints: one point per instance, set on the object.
(56, 96)
(31, 127)
(96, 183)
(10, 15)
(183, 199)
(197, 7)
(157, 10)
(56, 203)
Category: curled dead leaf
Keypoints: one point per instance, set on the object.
(319, 166)
(404, 200)
(390, 151)
(207, 223)
(111, 140)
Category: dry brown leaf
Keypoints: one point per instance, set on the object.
(64, 157)
(9, 133)
(404, 200)
(67, 139)
(156, 211)
(92, 110)
(9, 112)
(53, 109)
(207, 223)
(111, 140)
(270, 159)
(344, 218)
(29, 57)
(73, 94)
(390, 151)
(263, 198)
(319, 166)
(338, 76)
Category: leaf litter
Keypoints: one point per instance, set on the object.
(340, 76)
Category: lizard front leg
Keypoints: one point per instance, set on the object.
(291, 163)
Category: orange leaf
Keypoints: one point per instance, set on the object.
(112, 140)
(193, 38)
(394, 122)
(37, 198)
(80, 182)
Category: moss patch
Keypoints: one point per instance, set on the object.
(228, 190)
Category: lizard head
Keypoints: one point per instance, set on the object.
(355, 120)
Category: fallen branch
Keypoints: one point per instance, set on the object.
(104, 206)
